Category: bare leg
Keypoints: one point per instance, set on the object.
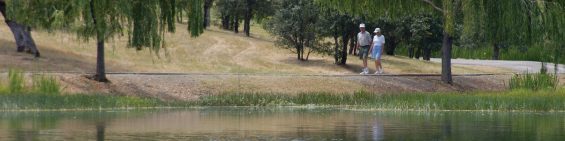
(364, 62)
(378, 65)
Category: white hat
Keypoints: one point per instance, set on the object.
(377, 30)
(362, 25)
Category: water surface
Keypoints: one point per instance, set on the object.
(223, 123)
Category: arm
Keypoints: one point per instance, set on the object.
(383, 45)
(357, 43)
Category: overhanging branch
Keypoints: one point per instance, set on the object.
(433, 5)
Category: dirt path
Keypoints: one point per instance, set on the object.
(193, 86)
(516, 66)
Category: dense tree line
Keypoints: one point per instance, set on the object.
(233, 12)
(529, 21)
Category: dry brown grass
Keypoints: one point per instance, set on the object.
(216, 51)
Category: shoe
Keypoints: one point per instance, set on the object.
(381, 71)
(365, 71)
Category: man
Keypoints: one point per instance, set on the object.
(363, 44)
(377, 50)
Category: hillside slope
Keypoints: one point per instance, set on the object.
(216, 51)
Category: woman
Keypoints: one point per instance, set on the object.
(377, 50)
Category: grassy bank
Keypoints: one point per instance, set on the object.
(75, 102)
(515, 100)
(520, 100)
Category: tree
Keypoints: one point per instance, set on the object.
(22, 33)
(340, 27)
(207, 5)
(233, 11)
(294, 26)
(145, 22)
(447, 9)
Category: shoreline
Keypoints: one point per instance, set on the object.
(506, 101)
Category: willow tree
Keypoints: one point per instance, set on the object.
(143, 21)
(22, 33)
(511, 18)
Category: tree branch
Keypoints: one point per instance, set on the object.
(3, 9)
(433, 5)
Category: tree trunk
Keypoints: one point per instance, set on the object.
(410, 52)
(446, 59)
(345, 40)
(236, 24)
(495, 51)
(207, 6)
(391, 46)
(100, 66)
(226, 22)
(100, 131)
(336, 49)
(418, 53)
(427, 53)
(248, 16)
(22, 34)
(352, 45)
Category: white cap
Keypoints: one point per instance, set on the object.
(377, 30)
(362, 25)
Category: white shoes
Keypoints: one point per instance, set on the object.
(380, 71)
(364, 71)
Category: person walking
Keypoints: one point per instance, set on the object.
(377, 50)
(363, 45)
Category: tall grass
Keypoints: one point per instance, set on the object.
(520, 100)
(15, 81)
(534, 81)
(46, 85)
(41, 84)
(76, 101)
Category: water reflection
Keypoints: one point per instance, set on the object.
(279, 124)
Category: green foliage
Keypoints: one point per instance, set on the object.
(41, 84)
(144, 21)
(16, 81)
(523, 53)
(294, 26)
(536, 81)
(77, 101)
(520, 100)
(44, 84)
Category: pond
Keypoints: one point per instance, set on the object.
(282, 123)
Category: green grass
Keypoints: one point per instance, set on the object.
(15, 81)
(520, 100)
(32, 101)
(515, 100)
(46, 85)
(536, 81)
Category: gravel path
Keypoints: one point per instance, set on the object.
(516, 66)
